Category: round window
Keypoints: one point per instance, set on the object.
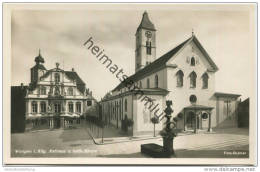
(193, 99)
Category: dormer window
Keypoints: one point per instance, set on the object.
(192, 61)
(57, 77)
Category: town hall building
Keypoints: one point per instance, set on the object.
(185, 75)
(55, 98)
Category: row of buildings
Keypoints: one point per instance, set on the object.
(185, 74)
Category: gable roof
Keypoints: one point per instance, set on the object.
(161, 62)
(79, 82)
(211, 62)
(74, 76)
(155, 64)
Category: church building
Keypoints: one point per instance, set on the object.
(185, 75)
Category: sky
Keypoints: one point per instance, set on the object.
(225, 31)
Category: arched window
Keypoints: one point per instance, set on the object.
(179, 75)
(43, 90)
(34, 107)
(71, 107)
(193, 77)
(205, 79)
(140, 84)
(148, 83)
(78, 107)
(148, 47)
(192, 61)
(43, 106)
(70, 91)
(125, 105)
(57, 77)
(156, 82)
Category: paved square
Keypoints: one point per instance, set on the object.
(78, 143)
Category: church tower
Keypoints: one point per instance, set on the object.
(38, 70)
(145, 52)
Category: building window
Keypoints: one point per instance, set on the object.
(70, 107)
(78, 107)
(205, 79)
(125, 105)
(43, 107)
(140, 84)
(43, 90)
(179, 75)
(148, 83)
(57, 107)
(156, 82)
(148, 47)
(193, 99)
(193, 77)
(192, 61)
(34, 107)
(57, 77)
(70, 91)
(57, 91)
(89, 103)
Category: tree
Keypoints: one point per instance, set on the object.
(154, 120)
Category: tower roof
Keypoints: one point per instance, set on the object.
(39, 58)
(146, 23)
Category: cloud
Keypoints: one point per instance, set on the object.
(61, 33)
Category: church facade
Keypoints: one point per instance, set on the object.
(55, 98)
(185, 75)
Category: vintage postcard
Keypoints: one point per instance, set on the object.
(157, 84)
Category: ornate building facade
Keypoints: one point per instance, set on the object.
(55, 98)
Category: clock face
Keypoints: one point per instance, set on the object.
(148, 34)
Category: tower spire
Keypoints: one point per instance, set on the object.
(39, 59)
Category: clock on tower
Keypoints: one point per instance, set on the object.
(145, 52)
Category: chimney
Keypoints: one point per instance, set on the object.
(90, 93)
(72, 69)
(22, 85)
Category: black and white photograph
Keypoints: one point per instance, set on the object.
(130, 83)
